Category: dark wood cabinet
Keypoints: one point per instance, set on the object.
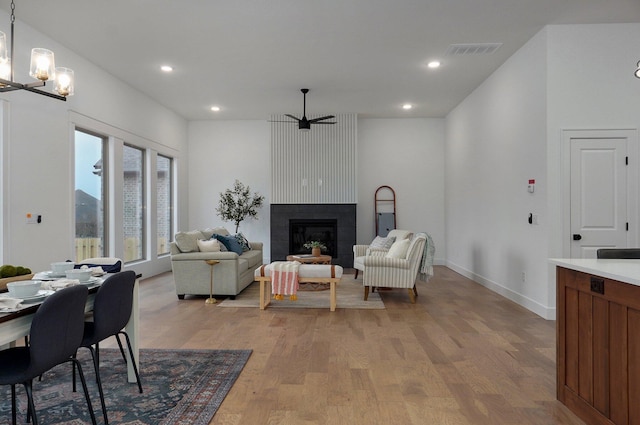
(598, 358)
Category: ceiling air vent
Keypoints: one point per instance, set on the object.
(472, 49)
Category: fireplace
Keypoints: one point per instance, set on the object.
(333, 224)
(303, 231)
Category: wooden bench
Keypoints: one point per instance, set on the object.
(307, 273)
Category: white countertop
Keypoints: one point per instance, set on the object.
(627, 271)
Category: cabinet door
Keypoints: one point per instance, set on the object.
(598, 349)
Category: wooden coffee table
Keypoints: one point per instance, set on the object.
(310, 259)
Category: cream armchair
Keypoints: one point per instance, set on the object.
(360, 251)
(383, 271)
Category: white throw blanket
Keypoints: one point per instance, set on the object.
(284, 279)
(426, 264)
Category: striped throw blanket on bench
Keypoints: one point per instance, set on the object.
(284, 279)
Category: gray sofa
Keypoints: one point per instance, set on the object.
(192, 274)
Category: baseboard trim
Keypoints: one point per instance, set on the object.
(546, 312)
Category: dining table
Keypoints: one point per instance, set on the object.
(16, 323)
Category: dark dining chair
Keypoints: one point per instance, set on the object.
(111, 311)
(56, 333)
(619, 253)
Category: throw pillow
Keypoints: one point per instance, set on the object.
(187, 241)
(211, 245)
(223, 248)
(230, 242)
(399, 249)
(244, 243)
(382, 243)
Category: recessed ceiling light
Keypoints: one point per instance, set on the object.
(407, 106)
(434, 64)
(215, 108)
(166, 68)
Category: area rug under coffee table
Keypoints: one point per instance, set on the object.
(349, 294)
(180, 387)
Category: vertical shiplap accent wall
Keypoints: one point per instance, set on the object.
(316, 166)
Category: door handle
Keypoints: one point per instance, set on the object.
(577, 236)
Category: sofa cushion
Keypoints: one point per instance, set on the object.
(230, 242)
(253, 257)
(188, 241)
(209, 232)
(210, 245)
(243, 265)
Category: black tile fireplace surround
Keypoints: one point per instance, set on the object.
(343, 214)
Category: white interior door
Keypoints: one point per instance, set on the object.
(599, 192)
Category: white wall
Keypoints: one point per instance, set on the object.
(408, 156)
(495, 143)
(567, 77)
(591, 86)
(219, 153)
(37, 152)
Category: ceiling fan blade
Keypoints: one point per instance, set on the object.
(315, 120)
(290, 122)
(324, 122)
(291, 116)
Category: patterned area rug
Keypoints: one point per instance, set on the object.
(349, 294)
(183, 387)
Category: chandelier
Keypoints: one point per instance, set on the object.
(42, 69)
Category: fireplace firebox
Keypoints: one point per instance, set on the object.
(303, 231)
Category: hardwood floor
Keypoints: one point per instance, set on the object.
(461, 355)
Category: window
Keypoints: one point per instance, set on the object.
(164, 202)
(90, 240)
(125, 194)
(134, 201)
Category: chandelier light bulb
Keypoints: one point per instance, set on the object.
(42, 64)
(64, 83)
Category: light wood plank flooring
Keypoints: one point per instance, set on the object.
(461, 355)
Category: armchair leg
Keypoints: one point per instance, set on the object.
(356, 273)
(412, 296)
(366, 292)
(415, 290)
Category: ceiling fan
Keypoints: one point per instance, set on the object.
(304, 123)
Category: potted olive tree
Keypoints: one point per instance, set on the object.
(238, 203)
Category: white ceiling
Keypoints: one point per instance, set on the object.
(251, 57)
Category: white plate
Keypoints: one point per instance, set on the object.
(91, 281)
(40, 295)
